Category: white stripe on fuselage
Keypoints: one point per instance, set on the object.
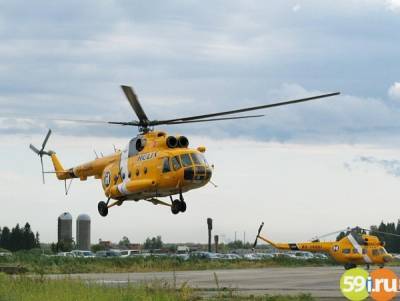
(123, 166)
(357, 246)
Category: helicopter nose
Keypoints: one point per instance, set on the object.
(198, 173)
(387, 258)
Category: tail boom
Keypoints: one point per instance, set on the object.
(93, 168)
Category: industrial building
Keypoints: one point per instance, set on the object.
(83, 232)
(65, 227)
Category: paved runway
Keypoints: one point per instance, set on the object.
(321, 282)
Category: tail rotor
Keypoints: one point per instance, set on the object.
(42, 152)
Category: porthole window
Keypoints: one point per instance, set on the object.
(137, 172)
(145, 170)
(123, 176)
(129, 175)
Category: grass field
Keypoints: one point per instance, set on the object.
(28, 289)
(65, 265)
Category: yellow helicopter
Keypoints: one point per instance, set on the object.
(353, 249)
(154, 164)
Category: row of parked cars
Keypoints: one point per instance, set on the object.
(260, 256)
(300, 255)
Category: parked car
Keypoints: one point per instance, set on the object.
(301, 255)
(320, 256)
(65, 254)
(205, 255)
(128, 253)
(231, 256)
(252, 256)
(83, 254)
(266, 255)
(146, 254)
(109, 253)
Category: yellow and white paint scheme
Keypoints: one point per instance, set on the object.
(152, 165)
(351, 250)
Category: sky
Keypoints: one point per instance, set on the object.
(305, 169)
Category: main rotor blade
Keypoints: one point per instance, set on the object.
(381, 232)
(133, 100)
(245, 109)
(133, 123)
(46, 139)
(331, 233)
(34, 149)
(215, 119)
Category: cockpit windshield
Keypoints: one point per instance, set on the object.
(198, 159)
(186, 161)
(195, 159)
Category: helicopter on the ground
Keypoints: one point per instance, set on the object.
(354, 248)
(154, 164)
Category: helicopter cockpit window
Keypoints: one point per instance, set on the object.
(346, 251)
(175, 163)
(355, 251)
(375, 252)
(383, 251)
(364, 251)
(195, 159)
(186, 160)
(166, 167)
(132, 148)
(202, 159)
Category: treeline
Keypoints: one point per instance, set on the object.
(392, 242)
(18, 238)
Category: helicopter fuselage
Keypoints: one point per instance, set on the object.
(149, 167)
(350, 250)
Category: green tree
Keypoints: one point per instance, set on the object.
(98, 247)
(37, 240)
(5, 238)
(124, 242)
(28, 238)
(153, 243)
(16, 239)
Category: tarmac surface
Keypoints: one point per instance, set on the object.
(320, 282)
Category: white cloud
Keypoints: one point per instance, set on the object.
(296, 7)
(394, 91)
(393, 5)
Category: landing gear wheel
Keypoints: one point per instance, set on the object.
(102, 208)
(175, 206)
(182, 205)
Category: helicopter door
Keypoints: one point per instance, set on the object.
(168, 177)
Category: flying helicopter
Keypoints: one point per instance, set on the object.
(355, 248)
(154, 164)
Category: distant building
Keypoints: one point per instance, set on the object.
(83, 232)
(65, 227)
(105, 244)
